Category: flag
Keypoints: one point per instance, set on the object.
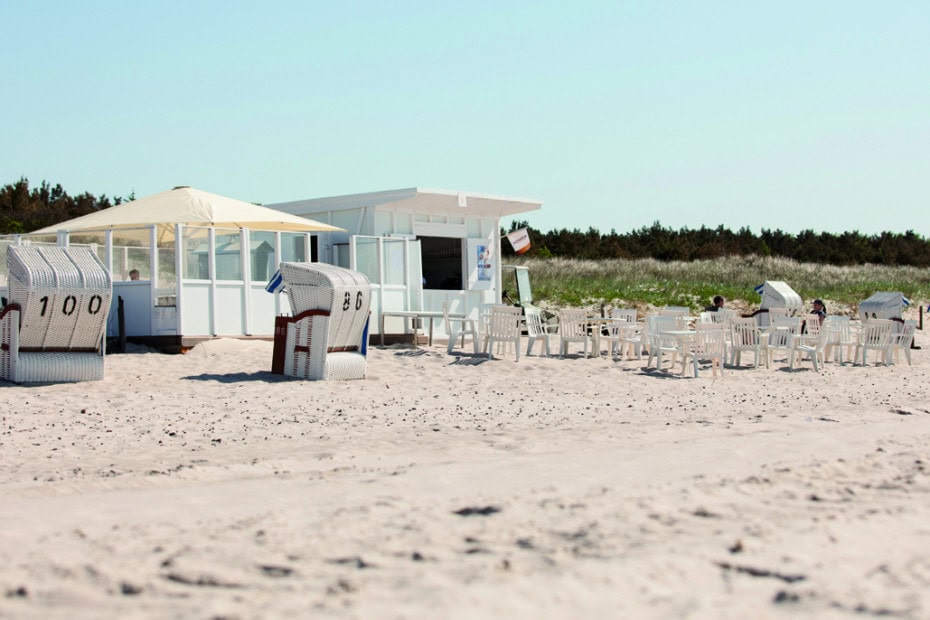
(520, 240)
(276, 283)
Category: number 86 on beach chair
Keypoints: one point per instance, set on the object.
(52, 330)
(327, 336)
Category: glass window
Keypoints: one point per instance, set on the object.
(394, 261)
(342, 254)
(262, 255)
(293, 248)
(228, 255)
(167, 267)
(196, 248)
(366, 258)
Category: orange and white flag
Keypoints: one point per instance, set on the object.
(520, 240)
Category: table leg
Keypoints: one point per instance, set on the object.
(382, 330)
(430, 341)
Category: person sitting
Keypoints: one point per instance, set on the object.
(133, 274)
(820, 310)
(717, 305)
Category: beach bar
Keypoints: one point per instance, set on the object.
(422, 249)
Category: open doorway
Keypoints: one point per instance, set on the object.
(442, 263)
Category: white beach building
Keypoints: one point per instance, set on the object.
(420, 248)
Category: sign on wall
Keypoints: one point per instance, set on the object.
(482, 264)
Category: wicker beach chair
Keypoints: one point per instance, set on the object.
(53, 326)
(327, 337)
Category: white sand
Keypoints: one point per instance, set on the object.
(201, 486)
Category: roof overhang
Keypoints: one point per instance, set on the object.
(419, 200)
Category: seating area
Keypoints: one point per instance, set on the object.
(53, 328)
(712, 340)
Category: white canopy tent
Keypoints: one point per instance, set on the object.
(190, 207)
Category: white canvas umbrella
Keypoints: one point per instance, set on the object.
(191, 207)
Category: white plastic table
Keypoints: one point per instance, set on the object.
(407, 315)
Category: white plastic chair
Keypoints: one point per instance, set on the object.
(53, 326)
(745, 336)
(628, 332)
(902, 340)
(814, 348)
(875, 336)
(573, 327)
(718, 317)
(840, 336)
(812, 328)
(775, 313)
(536, 329)
(781, 336)
(709, 344)
(458, 328)
(659, 343)
(503, 330)
(613, 332)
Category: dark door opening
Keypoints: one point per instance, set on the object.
(442, 263)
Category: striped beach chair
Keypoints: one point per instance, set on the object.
(327, 336)
(52, 329)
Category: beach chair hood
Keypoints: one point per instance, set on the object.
(883, 305)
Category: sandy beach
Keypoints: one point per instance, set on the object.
(202, 486)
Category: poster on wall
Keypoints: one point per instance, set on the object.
(481, 264)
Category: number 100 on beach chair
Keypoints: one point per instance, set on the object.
(52, 329)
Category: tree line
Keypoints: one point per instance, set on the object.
(24, 209)
(663, 243)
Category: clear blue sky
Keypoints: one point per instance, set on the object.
(790, 115)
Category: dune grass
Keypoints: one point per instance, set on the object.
(570, 282)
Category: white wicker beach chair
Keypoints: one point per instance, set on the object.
(327, 338)
(53, 326)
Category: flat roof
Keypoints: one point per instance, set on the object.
(416, 199)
